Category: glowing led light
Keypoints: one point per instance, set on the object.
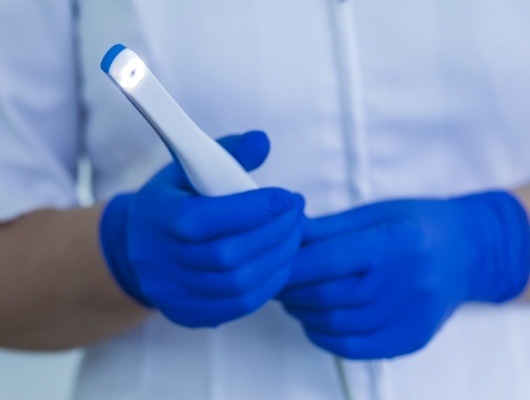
(132, 73)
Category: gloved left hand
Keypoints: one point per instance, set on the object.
(203, 261)
(380, 280)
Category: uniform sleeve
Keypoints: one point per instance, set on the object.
(39, 112)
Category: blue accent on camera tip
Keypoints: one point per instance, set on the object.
(110, 56)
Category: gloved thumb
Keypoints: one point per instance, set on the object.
(249, 149)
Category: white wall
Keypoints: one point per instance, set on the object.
(37, 376)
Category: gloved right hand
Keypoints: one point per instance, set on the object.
(203, 261)
(380, 280)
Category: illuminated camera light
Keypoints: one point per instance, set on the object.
(132, 73)
(125, 67)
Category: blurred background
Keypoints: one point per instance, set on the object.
(37, 376)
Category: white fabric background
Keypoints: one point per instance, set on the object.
(43, 376)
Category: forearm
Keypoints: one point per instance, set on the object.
(55, 290)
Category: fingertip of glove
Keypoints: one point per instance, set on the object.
(281, 201)
(299, 200)
(257, 136)
(253, 149)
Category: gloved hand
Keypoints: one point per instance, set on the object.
(380, 280)
(203, 261)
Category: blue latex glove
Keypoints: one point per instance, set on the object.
(203, 261)
(380, 280)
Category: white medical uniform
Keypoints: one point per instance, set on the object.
(362, 100)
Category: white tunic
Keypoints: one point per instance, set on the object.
(362, 100)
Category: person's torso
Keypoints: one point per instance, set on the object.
(362, 100)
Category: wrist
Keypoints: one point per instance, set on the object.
(113, 242)
(499, 231)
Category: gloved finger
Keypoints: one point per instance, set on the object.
(197, 219)
(360, 218)
(172, 174)
(249, 149)
(231, 251)
(345, 255)
(339, 322)
(358, 319)
(237, 282)
(391, 341)
(196, 311)
(351, 291)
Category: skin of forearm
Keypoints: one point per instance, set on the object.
(55, 290)
(523, 194)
